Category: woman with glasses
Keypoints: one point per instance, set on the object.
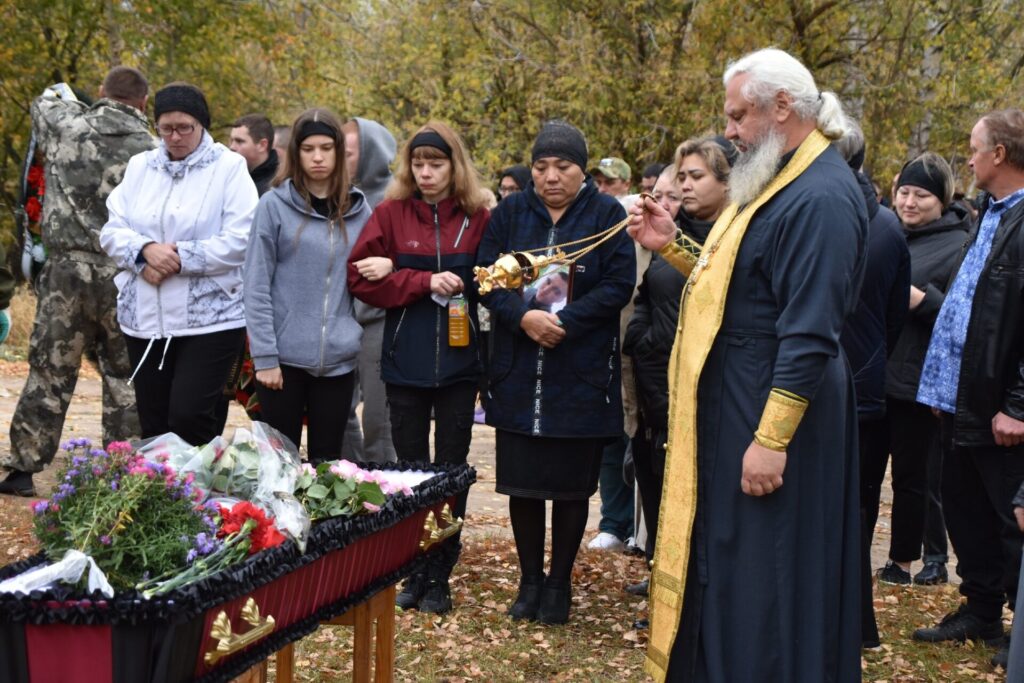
(178, 227)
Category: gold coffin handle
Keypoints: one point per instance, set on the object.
(229, 643)
(434, 534)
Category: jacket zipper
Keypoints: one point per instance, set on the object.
(437, 313)
(538, 392)
(163, 214)
(327, 294)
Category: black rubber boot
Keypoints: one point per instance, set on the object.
(528, 600)
(18, 483)
(412, 591)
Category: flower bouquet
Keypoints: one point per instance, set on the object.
(332, 489)
(133, 517)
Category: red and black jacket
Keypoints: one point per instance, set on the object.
(420, 239)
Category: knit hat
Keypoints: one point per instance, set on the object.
(562, 140)
(518, 173)
(184, 98)
(917, 174)
(729, 149)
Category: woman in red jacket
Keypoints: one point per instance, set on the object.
(428, 227)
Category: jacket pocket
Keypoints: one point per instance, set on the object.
(298, 339)
(595, 363)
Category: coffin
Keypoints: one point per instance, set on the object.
(219, 627)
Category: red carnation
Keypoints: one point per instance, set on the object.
(263, 535)
(36, 178)
(34, 209)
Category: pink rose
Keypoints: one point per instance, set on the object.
(370, 506)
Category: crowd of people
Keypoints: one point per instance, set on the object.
(774, 333)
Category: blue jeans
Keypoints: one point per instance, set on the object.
(616, 496)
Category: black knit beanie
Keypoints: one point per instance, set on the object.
(916, 173)
(518, 173)
(184, 98)
(563, 140)
(728, 149)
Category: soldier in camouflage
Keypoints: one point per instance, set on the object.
(86, 150)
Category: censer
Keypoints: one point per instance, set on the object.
(512, 271)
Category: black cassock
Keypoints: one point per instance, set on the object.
(773, 588)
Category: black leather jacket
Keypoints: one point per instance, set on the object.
(992, 370)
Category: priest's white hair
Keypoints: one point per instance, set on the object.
(772, 70)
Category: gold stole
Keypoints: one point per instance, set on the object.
(700, 317)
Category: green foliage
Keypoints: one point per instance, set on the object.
(333, 490)
(637, 76)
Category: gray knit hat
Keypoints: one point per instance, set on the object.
(563, 140)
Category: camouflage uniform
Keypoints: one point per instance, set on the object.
(86, 151)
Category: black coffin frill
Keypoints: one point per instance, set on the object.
(158, 640)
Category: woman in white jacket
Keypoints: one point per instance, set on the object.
(178, 227)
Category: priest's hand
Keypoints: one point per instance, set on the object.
(1006, 430)
(1018, 512)
(650, 224)
(271, 379)
(762, 470)
(543, 327)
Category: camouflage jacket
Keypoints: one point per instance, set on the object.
(86, 151)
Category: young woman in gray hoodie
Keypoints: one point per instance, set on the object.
(303, 336)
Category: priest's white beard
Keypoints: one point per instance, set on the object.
(756, 167)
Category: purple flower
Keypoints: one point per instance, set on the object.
(77, 461)
(39, 507)
(113, 485)
(98, 453)
(191, 556)
(97, 471)
(106, 540)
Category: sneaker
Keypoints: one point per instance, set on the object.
(639, 588)
(437, 599)
(606, 541)
(961, 626)
(412, 592)
(894, 574)
(641, 624)
(18, 483)
(932, 574)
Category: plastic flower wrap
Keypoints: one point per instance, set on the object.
(258, 465)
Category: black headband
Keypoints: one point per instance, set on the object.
(429, 138)
(313, 127)
(916, 173)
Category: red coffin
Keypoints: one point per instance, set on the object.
(57, 638)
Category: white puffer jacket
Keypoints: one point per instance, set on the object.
(204, 204)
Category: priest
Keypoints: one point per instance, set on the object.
(756, 568)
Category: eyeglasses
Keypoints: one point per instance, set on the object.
(182, 130)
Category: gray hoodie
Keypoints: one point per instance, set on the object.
(376, 152)
(297, 307)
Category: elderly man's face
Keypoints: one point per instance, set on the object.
(745, 123)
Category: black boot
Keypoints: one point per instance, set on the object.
(437, 599)
(528, 600)
(18, 483)
(555, 601)
(412, 591)
(437, 596)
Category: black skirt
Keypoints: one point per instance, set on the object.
(547, 468)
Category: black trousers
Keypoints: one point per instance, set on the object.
(978, 485)
(873, 442)
(649, 468)
(452, 407)
(183, 397)
(319, 399)
(916, 477)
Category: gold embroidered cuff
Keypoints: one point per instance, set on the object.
(682, 253)
(782, 414)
